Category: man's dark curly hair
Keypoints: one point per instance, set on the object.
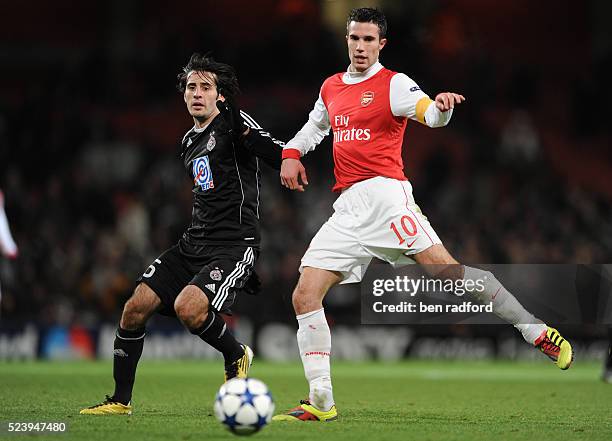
(224, 74)
(369, 15)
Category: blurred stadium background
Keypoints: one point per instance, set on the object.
(90, 121)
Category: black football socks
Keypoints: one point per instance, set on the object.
(127, 351)
(214, 332)
(609, 359)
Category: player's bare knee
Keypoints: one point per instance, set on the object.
(305, 300)
(298, 300)
(191, 307)
(182, 308)
(133, 316)
(192, 318)
(311, 288)
(139, 308)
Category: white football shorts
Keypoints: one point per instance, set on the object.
(373, 218)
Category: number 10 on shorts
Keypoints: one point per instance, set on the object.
(409, 229)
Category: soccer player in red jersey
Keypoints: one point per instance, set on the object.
(367, 108)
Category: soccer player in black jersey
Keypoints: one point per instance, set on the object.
(200, 276)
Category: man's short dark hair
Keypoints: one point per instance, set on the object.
(225, 75)
(369, 15)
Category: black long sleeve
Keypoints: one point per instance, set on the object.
(259, 142)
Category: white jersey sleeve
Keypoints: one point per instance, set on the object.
(408, 100)
(316, 128)
(8, 246)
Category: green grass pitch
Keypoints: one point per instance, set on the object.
(412, 400)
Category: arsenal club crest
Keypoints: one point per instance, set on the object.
(367, 98)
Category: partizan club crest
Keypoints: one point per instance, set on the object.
(216, 274)
(211, 142)
(202, 174)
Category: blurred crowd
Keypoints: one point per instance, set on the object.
(94, 188)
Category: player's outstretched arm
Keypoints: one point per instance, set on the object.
(292, 171)
(408, 100)
(439, 111)
(264, 146)
(261, 143)
(447, 100)
(247, 133)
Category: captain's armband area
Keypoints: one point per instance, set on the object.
(421, 108)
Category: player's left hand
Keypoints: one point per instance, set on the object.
(447, 100)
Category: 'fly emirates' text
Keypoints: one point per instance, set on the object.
(351, 134)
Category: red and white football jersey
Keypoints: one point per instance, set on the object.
(367, 136)
(367, 112)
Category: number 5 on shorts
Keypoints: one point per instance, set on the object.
(151, 269)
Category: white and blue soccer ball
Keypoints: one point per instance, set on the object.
(244, 405)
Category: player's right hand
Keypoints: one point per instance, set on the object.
(231, 113)
(447, 100)
(292, 171)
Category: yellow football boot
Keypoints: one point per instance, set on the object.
(108, 407)
(240, 368)
(556, 347)
(307, 412)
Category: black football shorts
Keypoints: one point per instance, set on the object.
(221, 272)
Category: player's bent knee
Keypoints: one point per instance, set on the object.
(191, 307)
(133, 316)
(182, 308)
(306, 300)
(139, 307)
(313, 285)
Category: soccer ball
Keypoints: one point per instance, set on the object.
(244, 405)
